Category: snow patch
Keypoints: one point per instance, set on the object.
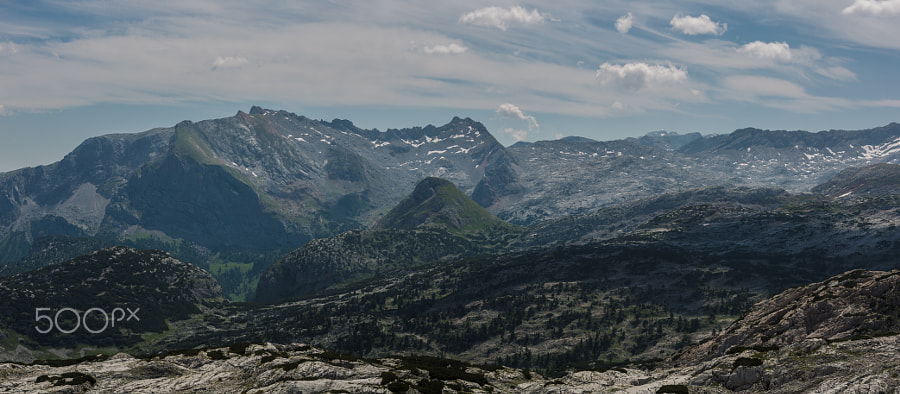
(887, 148)
(415, 144)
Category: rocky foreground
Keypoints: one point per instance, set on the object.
(812, 365)
(837, 336)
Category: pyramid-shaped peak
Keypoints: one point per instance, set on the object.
(436, 202)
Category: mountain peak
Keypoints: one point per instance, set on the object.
(667, 140)
(468, 124)
(436, 202)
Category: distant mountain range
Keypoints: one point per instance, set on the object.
(232, 195)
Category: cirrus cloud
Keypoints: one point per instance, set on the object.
(693, 25)
(780, 94)
(634, 76)
(873, 7)
(501, 18)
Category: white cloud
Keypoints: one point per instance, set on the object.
(229, 62)
(362, 57)
(517, 135)
(852, 25)
(501, 18)
(778, 93)
(837, 72)
(752, 85)
(508, 110)
(180, 66)
(634, 76)
(873, 7)
(767, 50)
(624, 23)
(692, 25)
(447, 49)
(8, 48)
(725, 58)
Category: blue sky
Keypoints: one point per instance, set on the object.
(72, 69)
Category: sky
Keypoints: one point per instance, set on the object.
(73, 69)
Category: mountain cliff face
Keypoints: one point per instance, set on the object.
(70, 197)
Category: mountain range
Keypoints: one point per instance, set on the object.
(666, 262)
(231, 195)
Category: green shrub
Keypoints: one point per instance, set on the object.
(291, 365)
(67, 379)
(398, 386)
(216, 355)
(673, 388)
(746, 362)
(758, 348)
(442, 369)
(239, 348)
(427, 386)
(387, 377)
